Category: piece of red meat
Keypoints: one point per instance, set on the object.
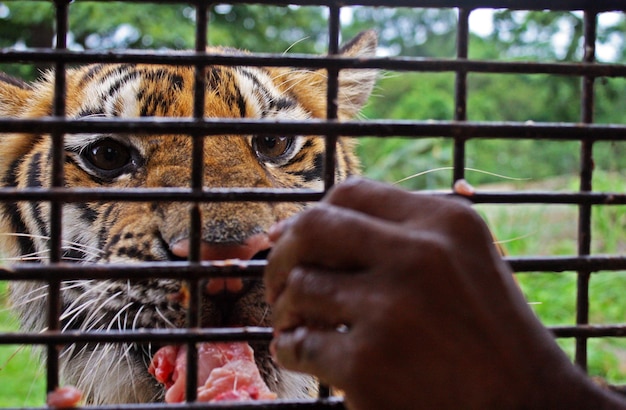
(64, 397)
(226, 371)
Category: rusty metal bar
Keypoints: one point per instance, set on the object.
(313, 61)
(280, 195)
(195, 214)
(332, 108)
(332, 92)
(254, 268)
(234, 334)
(599, 5)
(173, 336)
(293, 404)
(586, 173)
(370, 128)
(460, 93)
(57, 179)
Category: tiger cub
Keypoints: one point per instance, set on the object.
(123, 232)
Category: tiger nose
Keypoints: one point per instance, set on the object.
(220, 252)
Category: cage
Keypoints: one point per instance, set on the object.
(462, 72)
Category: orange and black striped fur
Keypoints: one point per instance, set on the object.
(109, 232)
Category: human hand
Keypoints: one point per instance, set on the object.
(402, 301)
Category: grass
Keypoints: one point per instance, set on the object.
(524, 230)
(543, 230)
(21, 375)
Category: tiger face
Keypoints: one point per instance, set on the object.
(123, 232)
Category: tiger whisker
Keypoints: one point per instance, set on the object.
(75, 313)
(165, 319)
(91, 322)
(117, 316)
(79, 246)
(44, 255)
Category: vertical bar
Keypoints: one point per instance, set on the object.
(195, 218)
(56, 208)
(331, 96)
(460, 93)
(586, 173)
(334, 26)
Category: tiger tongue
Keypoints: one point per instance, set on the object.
(226, 371)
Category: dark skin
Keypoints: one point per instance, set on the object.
(402, 301)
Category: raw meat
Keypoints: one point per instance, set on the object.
(226, 371)
(64, 397)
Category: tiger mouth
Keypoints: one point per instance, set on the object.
(225, 314)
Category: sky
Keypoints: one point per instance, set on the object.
(481, 24)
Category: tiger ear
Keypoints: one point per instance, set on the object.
(355, 86)
(14, 94)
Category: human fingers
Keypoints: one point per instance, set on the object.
(325, 236)
(361, 195)
(317, 298)
(386, 201)
(322, 353)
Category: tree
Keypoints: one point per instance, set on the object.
(101, 25)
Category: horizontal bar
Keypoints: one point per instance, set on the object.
(593, 263)
(136, 271)
(164, 194)
(589, 331)
(159, 336)
(169, 194)
(189, 58)
(599, 5)
(179, 336)
(535, 197)
(254, 268)
(374, 128)
(282, 404)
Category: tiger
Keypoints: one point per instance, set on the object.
(99, 232)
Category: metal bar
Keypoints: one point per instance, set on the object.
(160, 194)
(195, 213)
(188, 58)
(57, 179)
(306, 404)
(174, 336)
(589, 331)
(599, 6)
(332, 109)
(460, 93)
(370, 128)
(586, 173)
(137, 271)
(567, 263)
(284, 195)
(254, 268)
(332, 92)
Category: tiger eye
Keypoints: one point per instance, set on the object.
(272, 148)
(108, 155)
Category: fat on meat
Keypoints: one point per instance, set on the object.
(226, 371)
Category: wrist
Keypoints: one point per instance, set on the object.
(560, 384)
